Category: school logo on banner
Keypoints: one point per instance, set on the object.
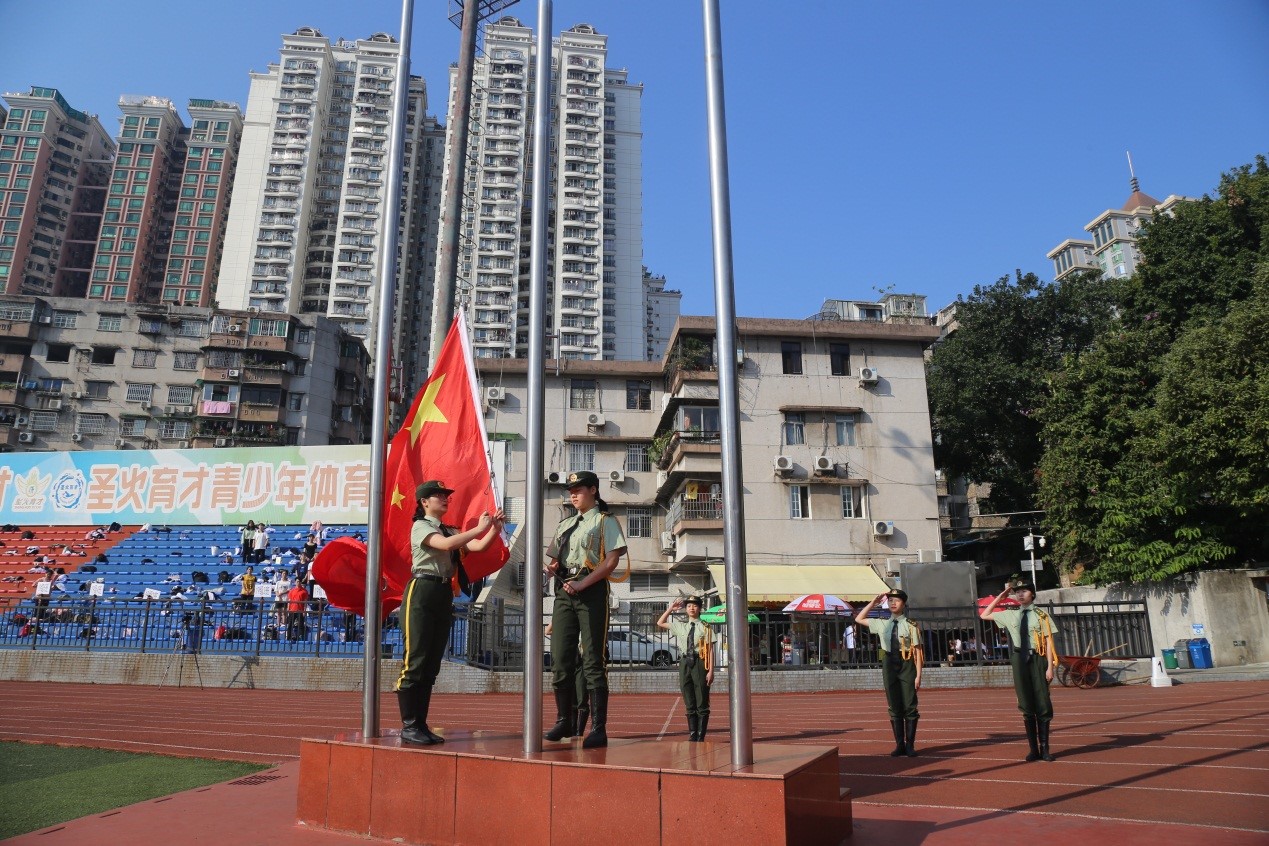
(68, 490)
(30, 490)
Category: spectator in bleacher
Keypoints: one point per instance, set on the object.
(261, 543)
(296, 604)
(97, 533)
(247, 535)
(310, 546)
(145, 528)
(67, 549)
(59, 579)
(248, 582)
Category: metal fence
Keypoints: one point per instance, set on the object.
(492, 636)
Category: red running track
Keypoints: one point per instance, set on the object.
(1189, 763)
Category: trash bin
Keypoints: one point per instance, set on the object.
(1169, 659)
(1182, 653)
(1200, 653)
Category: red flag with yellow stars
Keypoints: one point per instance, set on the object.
(443, 438)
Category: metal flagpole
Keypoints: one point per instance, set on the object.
(452, 200)
(537, 386)
(728, 401)
(385, 297)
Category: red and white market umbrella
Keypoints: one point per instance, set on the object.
(818, 603)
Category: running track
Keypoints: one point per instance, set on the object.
(1194, 758)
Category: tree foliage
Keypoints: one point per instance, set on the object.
(988, 377)
(1154, 439)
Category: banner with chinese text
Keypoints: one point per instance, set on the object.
(187, 487)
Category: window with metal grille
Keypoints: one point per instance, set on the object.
(90, 424)
(185, 361)
(139, 393)
(177, 430)
(132, 427)
(637, 460)
(645, 582)
(581, 457)
(639, 521)
(180, 394)
(639, 394)
(145, 358)
(44, 421)
(583, 393)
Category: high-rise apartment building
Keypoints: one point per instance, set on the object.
(162, 229)
(307, 221)
(597, 298)
(54, 165)
(662, 312)
(1113, 249)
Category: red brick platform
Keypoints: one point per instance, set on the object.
(648, 792)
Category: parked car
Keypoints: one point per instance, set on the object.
(630, 647)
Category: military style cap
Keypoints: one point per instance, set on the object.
(431, 488)
(582, 479)
(693, 600)
(895, 593)
(1019, 584)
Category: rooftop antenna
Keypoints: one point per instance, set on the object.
(1132, 176)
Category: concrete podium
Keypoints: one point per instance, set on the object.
(480, 787)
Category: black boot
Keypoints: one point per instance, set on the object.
(424, 700)
(1032, 738)
(900, 745)
(565, 715)
(598, 737)
(702, 723)
(583, 714)
(909, 727)
(408, 703)
(1042, 732)
(693, 727)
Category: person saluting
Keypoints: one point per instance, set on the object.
(902, 659)
(581, 557)
(696, 662)
(427, 609)
(1033, 656)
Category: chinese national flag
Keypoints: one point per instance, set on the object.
(443, 437)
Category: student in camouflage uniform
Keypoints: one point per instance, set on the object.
(902, 659)
(584, 553)
(1033, 656)
(696, 662)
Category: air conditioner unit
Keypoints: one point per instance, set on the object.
(495, 393)
(663, 476)
(554, 478)
(76, 394)
(616, 475)
(46, 320)
(234, 328)
(76, 438)
(184, 409)
(667, 541)
(825, 466)
(783, 465)
(54, 405)
(883, 528)
(233, 374)
(22, 421)
(182, 445)
(220, 442)
(892, 566)
(120, 443)
(253, 310)
(595, 420)
(740, 357)
(170, 409)
(26, 437)
(867, 375)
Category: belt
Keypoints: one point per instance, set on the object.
(428, 577)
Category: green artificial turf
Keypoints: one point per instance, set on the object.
(45, 785)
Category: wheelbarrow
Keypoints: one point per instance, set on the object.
(1083, 671)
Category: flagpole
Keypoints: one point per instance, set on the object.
(537, 388)
(386, 300)
(738, 692)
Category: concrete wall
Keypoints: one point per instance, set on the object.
(235, 671)
(1229, 604)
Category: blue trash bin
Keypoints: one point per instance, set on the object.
(1200, 653)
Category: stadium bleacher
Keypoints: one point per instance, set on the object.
(208, 616)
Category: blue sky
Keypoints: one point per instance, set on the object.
(920, 146)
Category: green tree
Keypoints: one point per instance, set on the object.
(1155, 438)
(988, 377)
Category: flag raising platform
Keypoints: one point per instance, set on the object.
(481, 787)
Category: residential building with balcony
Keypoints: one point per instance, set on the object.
(597, 297)
(54, 167)
(307, 222)
(661, 309)
(162, 227)
(92, 374)
(836, 454)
